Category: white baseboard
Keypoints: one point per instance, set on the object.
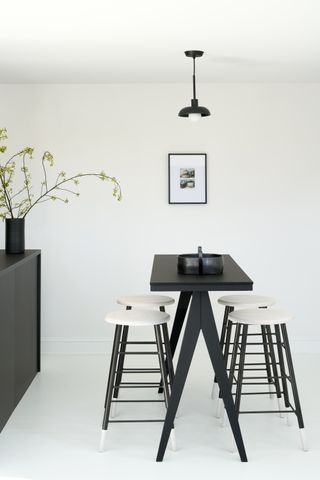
(76, 345)
(96, 346)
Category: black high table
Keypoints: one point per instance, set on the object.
(165, 278)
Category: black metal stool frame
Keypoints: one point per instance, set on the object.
(124, 342)
(284, 358)
(117, 370)
(268, 351)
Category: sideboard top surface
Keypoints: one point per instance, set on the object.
(12, 260)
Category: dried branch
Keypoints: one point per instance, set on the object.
(46, 191)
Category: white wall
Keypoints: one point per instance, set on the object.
(263, 148)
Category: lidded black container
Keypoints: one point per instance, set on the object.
(200, 264)
(15, 235)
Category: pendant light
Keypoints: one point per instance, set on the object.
(195, 112)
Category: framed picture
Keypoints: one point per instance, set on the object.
(187, 177)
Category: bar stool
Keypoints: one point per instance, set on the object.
(138, 318)
(243, 319)
(138, 301)
(148, 301)
(232, 302)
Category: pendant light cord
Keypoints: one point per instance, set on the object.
(194, 78)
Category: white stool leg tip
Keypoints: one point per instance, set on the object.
(113, 409)
(280, 407)
(173, 442)
(271, 393)
(102, 440)
(214, 390)
(289, 420)
(304, 440)
(219, 408)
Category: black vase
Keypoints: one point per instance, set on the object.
(15, 235)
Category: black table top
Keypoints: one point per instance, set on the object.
(165, 277)
(12, 260)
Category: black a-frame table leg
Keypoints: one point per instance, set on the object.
(188, 345)
(200, 318)
(180, 315)
(211, 337)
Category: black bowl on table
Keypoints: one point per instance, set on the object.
(206, 264)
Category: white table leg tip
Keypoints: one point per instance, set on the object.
(223, 423)
(173, 442)
(102, 440)
(304, 440)
(232, 444)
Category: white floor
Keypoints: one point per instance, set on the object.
(54, 432)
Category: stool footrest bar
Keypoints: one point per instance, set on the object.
(253, 369)
(135, 421)
(256, 363)
(155, 385)
(137, 343)
(138, 353)
(255, 343)
(139, 370)
(257, 393)
(266, 411)
(253, 383)
(138, 401)
(264, 378)
(139, 383)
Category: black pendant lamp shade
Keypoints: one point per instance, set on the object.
(195, 111)
(195, 108)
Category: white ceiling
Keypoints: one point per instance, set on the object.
(104, 41)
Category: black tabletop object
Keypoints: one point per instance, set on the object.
(200, 263)
(165, 277)
(208, 264)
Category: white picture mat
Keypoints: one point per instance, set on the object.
(187, 195)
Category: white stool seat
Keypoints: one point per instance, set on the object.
(137, 318)
(145, 301)
(246, 301)
(268, 316)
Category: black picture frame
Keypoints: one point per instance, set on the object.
(173, 197)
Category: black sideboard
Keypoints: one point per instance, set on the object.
(20, 284)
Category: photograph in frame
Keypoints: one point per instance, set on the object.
(187, 178)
